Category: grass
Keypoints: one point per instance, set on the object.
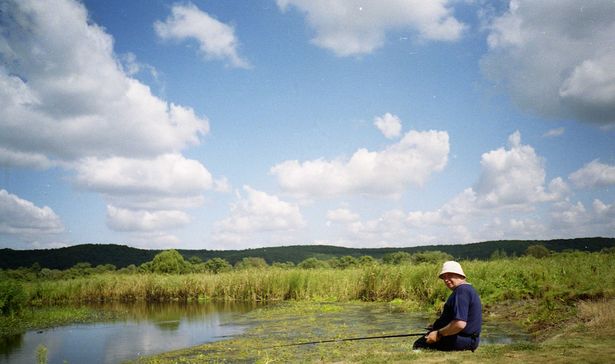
(53, 316)
(561, 278)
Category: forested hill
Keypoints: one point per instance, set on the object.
(122, 256)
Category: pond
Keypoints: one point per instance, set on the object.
(156, 328)
(148, 329)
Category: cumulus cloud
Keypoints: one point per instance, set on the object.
(411, 161)
(68, 100)
(168, 174)
(24, 219)
(502, 204)
(64, 93)
(574, 219)
(216, 39)
(342, 215)
(120, 219)
(594, 174)
(512, 177)
(146, 194)
(257, 212)
(348, 27)
(389, 125)
(530, 54)
(27, 160)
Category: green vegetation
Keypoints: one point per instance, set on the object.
(554, 283)
(41, 354)
(37, 318)
(587, 337)
(547, 292)
(12, 297)
(122, 256)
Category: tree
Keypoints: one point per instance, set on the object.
(285, 265)
(251, 262)
(195, 260)
(397, 258)
(498, 254)
(217, 265)
(537, 251)
(346, 261)
(367, 260)
(312, 263)
(434, 256)
(169, 261)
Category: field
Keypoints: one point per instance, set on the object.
(564, 301)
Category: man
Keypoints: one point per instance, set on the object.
(458, 328)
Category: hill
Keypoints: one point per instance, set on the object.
(122, 256)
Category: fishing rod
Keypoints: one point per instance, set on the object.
(351, 339)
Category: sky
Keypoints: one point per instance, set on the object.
(217, 124)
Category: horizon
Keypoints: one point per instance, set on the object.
(238, 125)
(326, 245)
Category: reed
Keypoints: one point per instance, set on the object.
(560, 278)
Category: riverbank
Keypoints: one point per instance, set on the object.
(40, 318)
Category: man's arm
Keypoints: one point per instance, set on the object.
(454, 327)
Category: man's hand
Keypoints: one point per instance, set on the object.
(432, 337)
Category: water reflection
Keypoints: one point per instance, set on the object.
(147, 329)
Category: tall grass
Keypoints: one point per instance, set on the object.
(561, 278)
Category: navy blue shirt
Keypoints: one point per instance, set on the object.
(463, 304)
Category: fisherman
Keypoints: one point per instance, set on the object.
(458, 328)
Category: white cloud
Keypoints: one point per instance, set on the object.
(120, 219)
(146, 194)
(25, 220)
(153, 240)
(505, 203)
(552, 133)
(411, 161)
(594, 174)
(556, 57)
(64, 93)
(216, 39)
(389, 125)
(348, 27)
(257, 212)
(167, 175)
(342, 215)
(68, 100)
(21, 159)
(511, 177)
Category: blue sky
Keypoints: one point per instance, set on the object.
(242, 124)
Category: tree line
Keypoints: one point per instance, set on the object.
(121, 256)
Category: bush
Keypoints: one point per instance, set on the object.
(217, 265)
(251, 262)
(13, 297)
(433, 257)
(312, 263)
(169, 261)
(344, 262)
(537, 251)
(397, 258)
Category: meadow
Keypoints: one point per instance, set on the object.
(554, 298)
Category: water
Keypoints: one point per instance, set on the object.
(156, 328)
(150, 329)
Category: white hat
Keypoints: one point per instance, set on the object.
(451, 267)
